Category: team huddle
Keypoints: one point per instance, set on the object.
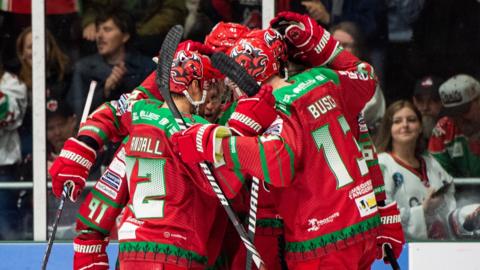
(321, 197)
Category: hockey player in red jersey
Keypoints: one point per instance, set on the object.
(310, 157)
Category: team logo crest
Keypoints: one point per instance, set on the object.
(186, 67)
(254, 60)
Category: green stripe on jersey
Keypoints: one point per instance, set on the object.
(301, 84)
(161, 248)
(331, 238)
(92, 225)
(96, 130)
(236, 161)
(263, 161)
(105, 199)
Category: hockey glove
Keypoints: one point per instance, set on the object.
(309, 42)
(200, 143)
(391, 232)
(71, 168)
(253, 115)
(90, 254)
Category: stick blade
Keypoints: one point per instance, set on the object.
(236, 73)
(166, 54)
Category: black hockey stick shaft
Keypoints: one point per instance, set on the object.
(67, 189)
(55, 225)
(166, 54)
(247, 84)
(391, 257)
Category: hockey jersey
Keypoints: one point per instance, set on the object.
(409, 188)
(169, 218)
(458, 154)
(310, 157)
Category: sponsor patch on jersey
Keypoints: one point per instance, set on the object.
(111, 179)
(117, 166)
(366, 204)
(106, 190)
(315, 224)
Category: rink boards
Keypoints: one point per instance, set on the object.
(428, 255)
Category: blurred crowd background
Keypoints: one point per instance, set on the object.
(426, 54)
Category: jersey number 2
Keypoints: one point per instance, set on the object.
(146, 197)
(324, 141)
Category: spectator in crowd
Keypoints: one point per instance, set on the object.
(61, 125)
(351, 38)
(61, 18)
(455, 141)
(423, 190)
(427, 100)
(116, 66)
(58, 78)
(153, 19)
(401, 68)
(13, 103)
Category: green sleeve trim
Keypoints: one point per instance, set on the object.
(95, 130)
(145, 91)
(263, 161)
(92, 225)
(115, 117)
(105, 199)
(292, 159)
(236, 162)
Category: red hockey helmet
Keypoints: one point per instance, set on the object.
(224, 35)
(261, 53)
(188, 66)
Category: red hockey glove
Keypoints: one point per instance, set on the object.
(391, 232)
(253, 115)
(200, 142)
(71, 168)
(309, 42)
(90, 254)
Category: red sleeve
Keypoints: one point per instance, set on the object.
(104, 203)
(105, 123)
(267, 157)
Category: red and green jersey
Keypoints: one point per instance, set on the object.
(458, 154)
(171, 210)
(103, 124)
(99, 211)
(320, 180)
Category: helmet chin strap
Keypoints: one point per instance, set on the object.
(196, 104)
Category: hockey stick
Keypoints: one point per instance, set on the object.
(391, 258)
(66, 188)
(166, 54)
(246, 83)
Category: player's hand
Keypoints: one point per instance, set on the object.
(309, 42)
(200, 142)
(253, 115)
(71, 168)
(90, 254)
(391, 232)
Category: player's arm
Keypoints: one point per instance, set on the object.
(98, 213)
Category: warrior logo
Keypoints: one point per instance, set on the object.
(254, 60)
(186, 67)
